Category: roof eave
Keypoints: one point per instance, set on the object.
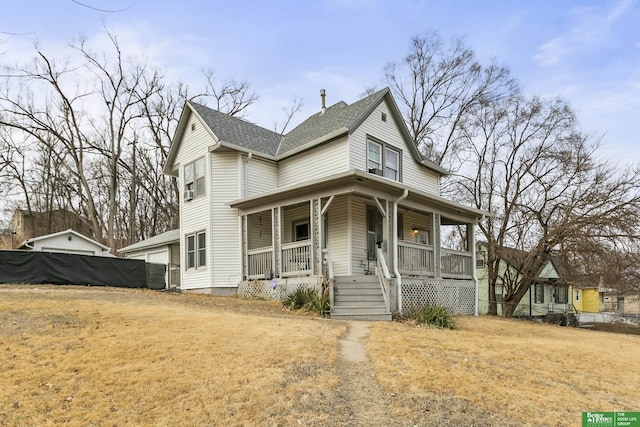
(397, 116)
(169, 168)
(240, 149)
(328, 137)
(359, 175)
(69, 230)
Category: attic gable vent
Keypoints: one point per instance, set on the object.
(193, 127)
(384, 117)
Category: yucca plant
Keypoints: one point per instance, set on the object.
(309, 299)
(436, 315)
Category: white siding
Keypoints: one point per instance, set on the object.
(549, 271)
(358, 235)
(411, 219)
(224, 241)
(292, 214)
(62, 244)
(325, 160)
(157, 255)
(338, 235)
(261, 176)
(194, 213)
(259, 230)
(412, 173)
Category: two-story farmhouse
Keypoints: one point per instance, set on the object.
(344, 199)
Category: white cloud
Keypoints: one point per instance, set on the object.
(619, 10)
(586, 31)
(552, 52)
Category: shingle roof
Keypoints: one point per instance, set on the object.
(162, 239)
(238, 131)
(338, 116)
(253, 137)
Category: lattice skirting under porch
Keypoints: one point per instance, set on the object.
(277, 288)
(459, 296)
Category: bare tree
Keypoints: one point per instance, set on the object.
(437, 86)
(528, 164)
(82, 114)
(91, 134)
(524, 160)
(230, 96)
(290, 112)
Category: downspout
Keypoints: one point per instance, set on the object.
(394, 239)
(246, 174)
(474, 264)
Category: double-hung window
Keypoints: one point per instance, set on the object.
(383, 160)
(196, 250)
(194, 178)
(539, 293)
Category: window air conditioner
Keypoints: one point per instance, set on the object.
(376, 171)
(188, 194)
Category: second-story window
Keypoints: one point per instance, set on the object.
(194, 179)
(383, 160)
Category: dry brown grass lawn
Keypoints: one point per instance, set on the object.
(101, 356)
(105, 356)
(505, 372)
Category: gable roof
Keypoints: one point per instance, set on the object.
(515, 258)
(26, 243)
(337, 120)
(340, 116)
(238, 131)
(162, 239)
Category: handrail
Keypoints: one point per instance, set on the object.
(383, 277)
(258, 262)
(458, 265)
(261, 250)
(292, 245)
(296, 258)
(327, 257)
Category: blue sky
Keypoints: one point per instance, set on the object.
(586, 52)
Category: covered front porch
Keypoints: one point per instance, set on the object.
(416, 248)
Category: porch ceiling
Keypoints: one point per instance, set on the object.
(355, 182)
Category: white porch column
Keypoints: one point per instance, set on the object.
(437, 260)
(471, 246)
(245, 247)
(316, 236)
(277, 240)
(387, 230)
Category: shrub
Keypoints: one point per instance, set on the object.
(434, 315)
(308, 299)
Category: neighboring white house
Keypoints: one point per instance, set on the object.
(344, 198)
(161, 249)
(68, 242)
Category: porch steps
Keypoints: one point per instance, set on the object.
(359, 298)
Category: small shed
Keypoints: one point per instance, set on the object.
(68, 242)
(160, 249)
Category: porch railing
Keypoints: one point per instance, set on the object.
(456, 264)
(260, 262)
(296, 258)
(414, 258)
(383, 277)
